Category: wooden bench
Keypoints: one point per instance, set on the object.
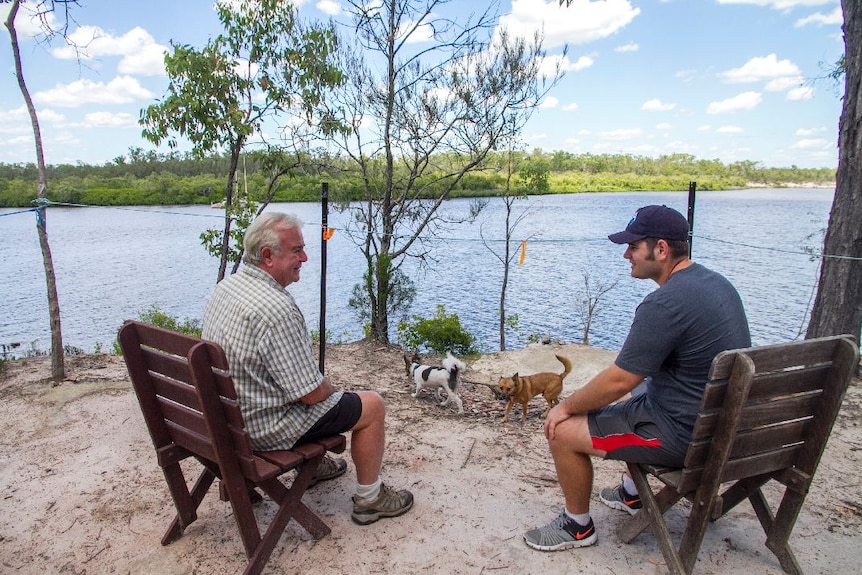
(189, 403)
(766, 415)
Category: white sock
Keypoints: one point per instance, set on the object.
(629, 485)
(369, 492)
(581, 519)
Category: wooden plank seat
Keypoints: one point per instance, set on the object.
(766, 415)
(189, 403)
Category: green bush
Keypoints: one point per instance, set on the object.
(158, 318)
(438, 334)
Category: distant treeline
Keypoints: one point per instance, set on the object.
(149, 178)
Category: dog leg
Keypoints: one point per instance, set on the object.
(508, 409)
(453, 397)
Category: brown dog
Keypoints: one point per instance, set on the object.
(524, 388)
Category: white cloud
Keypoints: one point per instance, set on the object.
(656, 105)
(834, 18)
(704, 128)
(329, 7)
(663, 126)
(630, 47)
(813, 144)
(422, 33)
(549, 103)
(28, 24)
(139, 52)
(759, 69)
(801, 93)
(729, 130)
(109, 120)
(779, 4)
(548, 66)
(621, 135)
(744, 101)
(581, 22)
(782, 84)
(809, 131)
(570, 107)
(120, 90)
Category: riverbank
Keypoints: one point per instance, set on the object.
(80, 491)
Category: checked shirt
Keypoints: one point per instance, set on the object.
(264, 335)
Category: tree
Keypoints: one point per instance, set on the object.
(588, 306)
(42, 9)
(532, 178)
(265, 66)
(838, 303)
(426, 108)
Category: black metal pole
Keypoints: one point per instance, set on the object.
(692, 192)
(324, 224)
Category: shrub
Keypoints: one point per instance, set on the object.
(158, 318)
(438, 334)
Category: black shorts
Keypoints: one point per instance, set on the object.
(341, 418)
(627, 431)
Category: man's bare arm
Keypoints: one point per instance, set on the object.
(318, 394)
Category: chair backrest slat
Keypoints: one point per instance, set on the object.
(771, 384)
(176, 406)
(795, 391)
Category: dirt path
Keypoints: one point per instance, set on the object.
(80, 491)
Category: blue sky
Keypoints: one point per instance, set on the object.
(718, 79)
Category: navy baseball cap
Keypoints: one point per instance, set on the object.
(653, 222)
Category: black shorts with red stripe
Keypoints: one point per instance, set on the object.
(627, 431)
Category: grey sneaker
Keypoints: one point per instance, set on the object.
(561, 533)
(389, 503)
(327, 469)
(618, 498)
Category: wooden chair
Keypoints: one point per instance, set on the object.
(766, 415)
(187, 396)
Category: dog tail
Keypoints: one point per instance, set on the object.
(566, 364)
(454, 366)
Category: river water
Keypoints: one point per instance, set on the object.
(113, 263)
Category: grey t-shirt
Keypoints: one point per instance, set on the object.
(677, 331)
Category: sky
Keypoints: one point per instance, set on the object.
(727, 80)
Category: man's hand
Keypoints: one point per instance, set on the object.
(318, 394)
(557, 415)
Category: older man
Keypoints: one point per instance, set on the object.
(283, 396)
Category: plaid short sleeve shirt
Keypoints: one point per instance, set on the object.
(265, 337)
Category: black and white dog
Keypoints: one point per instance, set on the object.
(442, 379)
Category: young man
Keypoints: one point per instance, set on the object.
(283, 396)
(664, 363)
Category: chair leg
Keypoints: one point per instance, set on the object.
(290, 506)
(779, 533)
(695, 529)
(652, 513)
(186, 502)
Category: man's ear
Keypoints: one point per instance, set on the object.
(663, 248)
(265, 255)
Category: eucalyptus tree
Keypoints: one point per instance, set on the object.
(266, 70)
(428, 97)
(42, 10)
(838, 304)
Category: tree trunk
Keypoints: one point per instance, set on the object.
(838, 305)
(58, 370)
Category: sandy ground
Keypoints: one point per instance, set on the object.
(80, 491)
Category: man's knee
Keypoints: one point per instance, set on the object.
(373, 408)
(573, 435)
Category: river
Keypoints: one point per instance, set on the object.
(113, 263)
